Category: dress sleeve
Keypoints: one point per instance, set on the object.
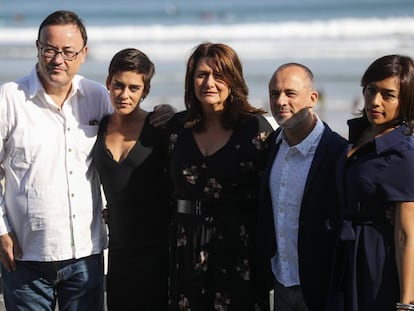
(398, 180)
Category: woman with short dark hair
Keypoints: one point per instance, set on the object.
(376, 174)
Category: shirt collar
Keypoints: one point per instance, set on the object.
(382, 143)
(306, 145)
(356, 127)
(36, 85)
(390, 139)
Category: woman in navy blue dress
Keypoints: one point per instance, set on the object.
(376, 269)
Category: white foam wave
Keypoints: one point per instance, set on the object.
(334, 38)
(349, 28)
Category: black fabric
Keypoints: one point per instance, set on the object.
(212, 262)
(316, 236)
(138, 202)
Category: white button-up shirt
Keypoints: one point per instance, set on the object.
(52, 198)
(287, 183)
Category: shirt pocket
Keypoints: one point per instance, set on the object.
(20, 163)
(86, 137)
(42, 204)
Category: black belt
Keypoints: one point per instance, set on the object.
(215, 207)
(196, 207)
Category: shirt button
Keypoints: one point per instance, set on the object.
(70, 150)
(73, 216)
(72, 195)
(70, 172)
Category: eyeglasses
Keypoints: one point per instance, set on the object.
(51, 52)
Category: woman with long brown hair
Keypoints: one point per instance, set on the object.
(216, 164)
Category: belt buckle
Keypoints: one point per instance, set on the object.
(198, 207)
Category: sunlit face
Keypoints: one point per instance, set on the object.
(55, 72)
(126, 88)
(209, 85)
(291, 96)
(382, 103)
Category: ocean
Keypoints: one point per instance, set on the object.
(337, 39)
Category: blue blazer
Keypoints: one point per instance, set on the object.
(318, 215)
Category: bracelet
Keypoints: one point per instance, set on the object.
(404, 306)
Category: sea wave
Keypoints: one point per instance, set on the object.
(347, 37)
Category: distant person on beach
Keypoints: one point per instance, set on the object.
(51, 230)
(375, 269)
(216, 164)
(130, 155)
(299, 199)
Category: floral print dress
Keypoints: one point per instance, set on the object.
(212, 253)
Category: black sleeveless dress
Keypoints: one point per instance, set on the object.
(137, 195)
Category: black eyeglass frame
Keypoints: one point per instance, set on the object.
(42, 46)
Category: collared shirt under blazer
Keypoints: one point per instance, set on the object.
(287, 183)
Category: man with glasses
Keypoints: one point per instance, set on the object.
(67, 54)
(51, 230)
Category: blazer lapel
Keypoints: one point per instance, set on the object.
(273, 149)
(321, 151)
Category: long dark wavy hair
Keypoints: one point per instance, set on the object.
(402, 67)
(229, 65)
